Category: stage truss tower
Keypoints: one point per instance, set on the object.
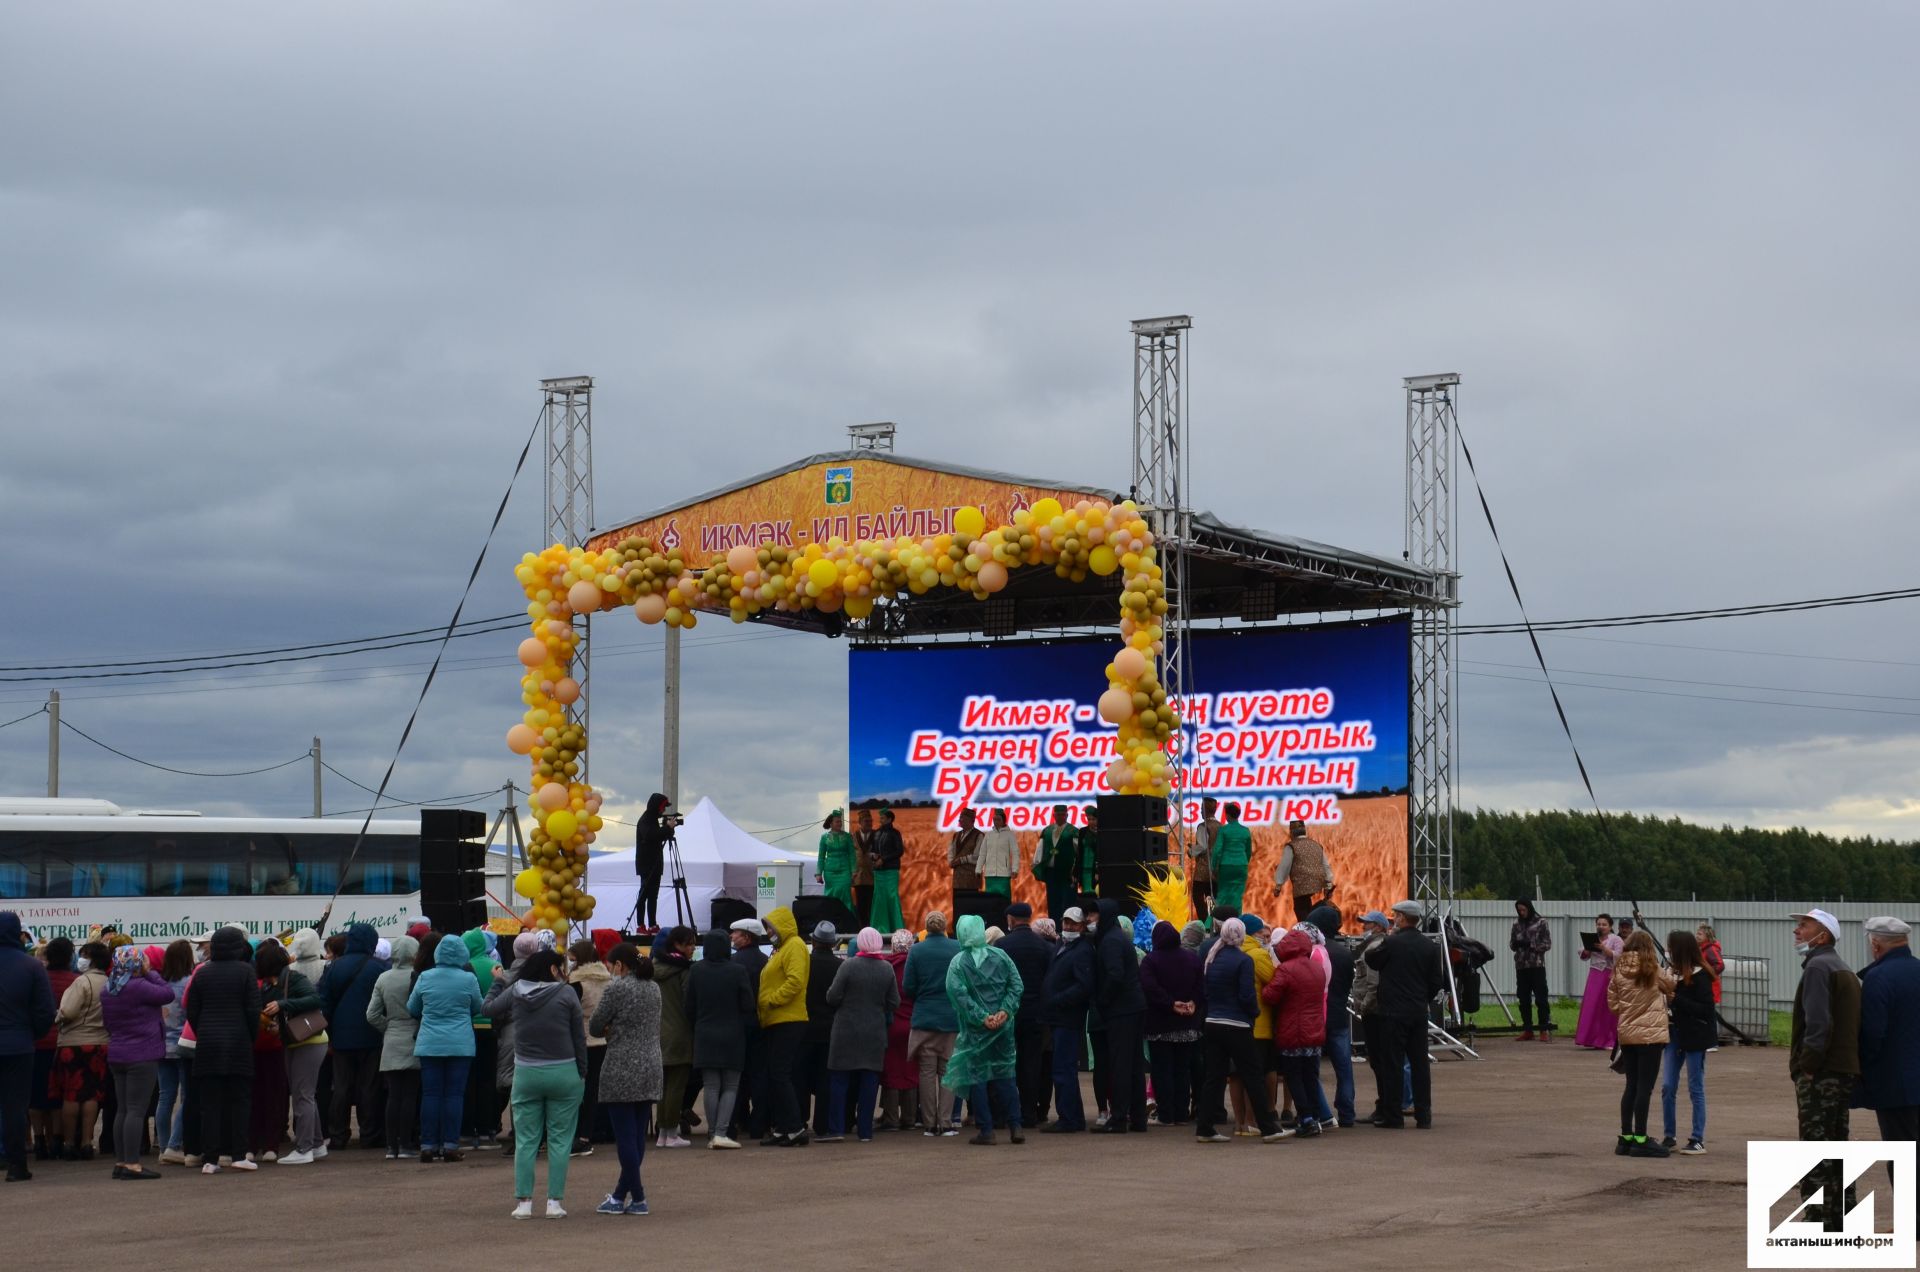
(1432, 530)
(568, 427)
(1161, 488)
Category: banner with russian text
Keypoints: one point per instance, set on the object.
(1295, 722)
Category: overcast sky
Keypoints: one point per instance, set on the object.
(280, 284)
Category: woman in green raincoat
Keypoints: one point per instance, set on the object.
(835, 872)
(984, 987)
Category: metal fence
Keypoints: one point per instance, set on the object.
(1746, 929)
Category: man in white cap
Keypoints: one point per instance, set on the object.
(1064, 998)
(1890, 1030)
(1825, 1055)
(1411, 977)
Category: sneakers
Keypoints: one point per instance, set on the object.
(296, 1159)
(320, 1152)
(1694, 1148)
(636, 1207)
(1623, 1147)
(524, 1208)
(1525, 1037)
(191, 1160)
(722, 1141)
(1284, 1133)
(984, 1138)
(672, 1141)
(818, 1139)
(246, 1164)
(1215, 1138)
(949, 1131)
(269, 1156)
(173, 1157)
(1667, 1143)
(1309, 1128)
(583, 1148)
(1647, 1148)
(404, 1155)
(209, 1169)
(554, 1209)
(611, 1206)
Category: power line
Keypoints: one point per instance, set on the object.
(69, 725)
(19, 719)
(1701, 697)
(1704, 684)
(249, 653)
(416, 803)
(1690, 616)
(259, 662)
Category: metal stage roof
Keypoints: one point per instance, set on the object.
(1234, 572)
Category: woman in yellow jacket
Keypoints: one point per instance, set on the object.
(1638, 994)
(783, 1027)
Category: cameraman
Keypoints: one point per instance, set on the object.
(649, 859)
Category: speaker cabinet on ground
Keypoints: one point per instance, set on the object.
(809, 912)
(1117, 881)
(1132, 812)
(726, 911)
(990, 906)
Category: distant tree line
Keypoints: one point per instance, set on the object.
(1650, 859)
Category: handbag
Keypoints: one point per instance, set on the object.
(300, 1028)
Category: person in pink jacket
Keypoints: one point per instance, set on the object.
(1298, 995)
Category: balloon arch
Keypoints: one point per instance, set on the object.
(1089, 536)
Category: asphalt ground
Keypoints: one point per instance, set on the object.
(1518, 1169)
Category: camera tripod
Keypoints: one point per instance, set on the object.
(682, 899)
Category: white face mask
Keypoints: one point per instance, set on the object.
(82, 963)
(1070, 936)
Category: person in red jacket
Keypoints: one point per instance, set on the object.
(1298, 995)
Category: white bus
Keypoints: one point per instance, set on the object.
(69, 865)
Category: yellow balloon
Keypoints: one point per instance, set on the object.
(823, 574)
(527, 883)
(1046, 510)
(969, 522)
(562, 823)
(1102, 561)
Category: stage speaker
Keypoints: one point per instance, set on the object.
(808, 912)
(452, 823)
(1117, 881)
(1132, 812)
(990, 906)
(1130, 845)
(453, 916)
(726, 911)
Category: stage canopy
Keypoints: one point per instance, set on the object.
(719, 857)
(1233, 572)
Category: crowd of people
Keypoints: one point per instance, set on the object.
(225, 1054)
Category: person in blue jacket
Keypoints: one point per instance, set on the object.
(444, 1000)
(1064, 998)
(26, 1012)
(1890, 1031)
(346, 987)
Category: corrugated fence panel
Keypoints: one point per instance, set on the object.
(1747, 929)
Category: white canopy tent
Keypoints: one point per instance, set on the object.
(720, 860)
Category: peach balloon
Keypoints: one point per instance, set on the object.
(651, 608)
(1116, 705)
(532, 652)
(551, 796)
(741, 558)
(583, 597)
(993, 576)
(566, 690)
(1129, 662)
(521, 739)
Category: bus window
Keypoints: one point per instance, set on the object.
(95, 864)
(386, 864)
(199, 866)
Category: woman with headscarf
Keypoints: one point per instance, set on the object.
(1227, 1036)
(481, 1109)
(627, 1016)
(900, 1075)
(834, 870)
(720, 1011)
(309, 955)
(444, 999)
(549, 1073)
(1174, 984)
(268, 1103)
(131, 1008)
(672, 963)
(864, 995)
(1298, 995)
(525, 946)
(984, 987)
(649, 860)
(399, 1066)
(223, 1009)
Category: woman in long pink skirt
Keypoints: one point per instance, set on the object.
(1598, 1028)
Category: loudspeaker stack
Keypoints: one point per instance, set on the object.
(453, 881)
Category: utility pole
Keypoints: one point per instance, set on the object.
(316, 777)
(53, 744)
